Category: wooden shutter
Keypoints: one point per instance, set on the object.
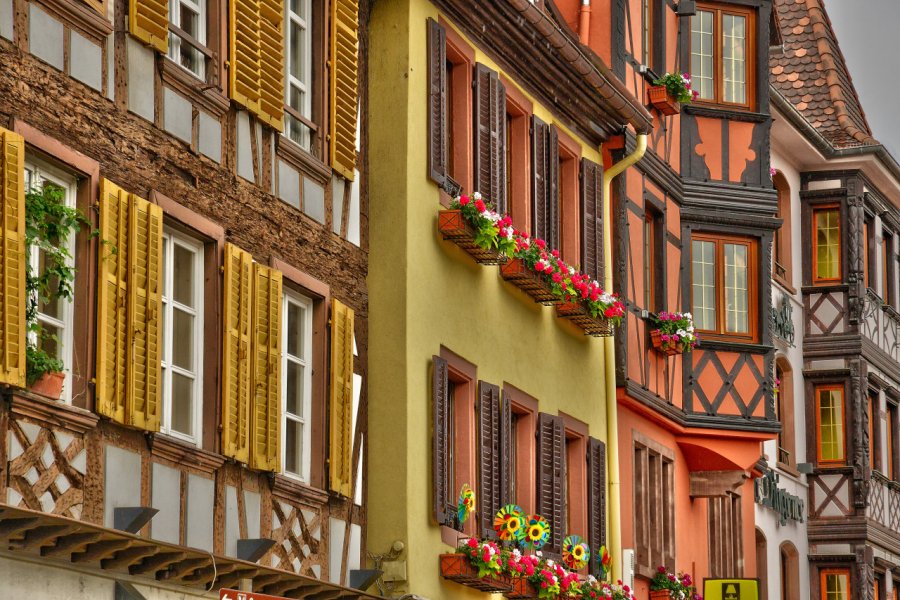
(236, 378)
(592, 219)
(344, 84)
(256, 68)
(12, 258)
(552, 198)
(442, 469)
(488, 456)
(148, 21)
(341, 398)
(507, 443)
(551, 453)
(437, 102)
(596, 463)
(145, 232)
(490, 136)
(265, 348)
(539, 218)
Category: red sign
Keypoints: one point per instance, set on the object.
(226, 594)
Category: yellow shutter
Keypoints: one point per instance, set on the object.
(341, 397)
(112, 325)
(256, 69)
(266, 352)
(145, 234)
(236, 360)
(12, 258)
(148, 21)
(344, 84)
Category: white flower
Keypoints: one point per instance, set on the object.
(690, 328)
(491, 550)
(550, 562)
(476, 196)
(539, 554)
(571, 270)
(516, 553)
(687, 316)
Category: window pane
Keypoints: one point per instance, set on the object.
(49, 340)
(828, 243)
(295, 43)
(734, 65)
(295, 330)
(53, 308)
(704, 284)
(736, 294)
(702, 54)
(182, 404)
(831, 425)
(183, 339)
(183, 276)
(293, 446)
(837, 586)
(295, 385)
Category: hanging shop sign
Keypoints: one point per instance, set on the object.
(767, 493)
(731, 589)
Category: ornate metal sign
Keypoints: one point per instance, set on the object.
(782, 320)
(767, 493)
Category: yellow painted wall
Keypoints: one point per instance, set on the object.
(424, 292)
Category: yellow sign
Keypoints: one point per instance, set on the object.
(731, 589)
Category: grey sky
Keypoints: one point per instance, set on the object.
(869, 34)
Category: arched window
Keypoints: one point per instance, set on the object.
(784, 408)
(790, 571)
(762, 568)
(782, 255)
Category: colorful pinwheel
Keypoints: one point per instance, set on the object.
(605, 562)
(466, 504)
(575, 552)
(509, 523)
(537, 532)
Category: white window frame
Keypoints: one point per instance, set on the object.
(37, 173)
(304, 22)
(175, 41)
(171, 238)
(292, 297)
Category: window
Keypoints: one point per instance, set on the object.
(784, 405)
(646, 31)
(830, 424)
(187, 35)
(298, 125)
(722, 54)
(569, 200)
(54, 318)
(874, 431)
(726, 556)
(782, 266)
(182, 324)
(654, 240)
(890, 440)
(790, 571)
(826, 244)
(296, 384)
(869, 257)
(835, 584)
(518, 149)
(654, 506)
(523, 448)
(762, 567)
(887, 267)
(575, 480)
(723, 285)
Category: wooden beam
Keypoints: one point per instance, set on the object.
(73, 542)
(157, 562)
(100, 550)
(298, 585)
(709, 484)
(227, 580)
(263, 580)
(40, 534)
(128, 556)
(182, 568)
(9, 527)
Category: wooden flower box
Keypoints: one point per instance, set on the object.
(529, 281)
(522, 589)
(659, 98)
(659, 595)
(456, 567)
(454, 227)
(667, 348)
(578, 314)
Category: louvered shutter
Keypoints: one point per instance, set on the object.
(490, 136)
(341, 398)
(145, 231)
(236, 344)
(437, 102)
(488, 456)
(265, 348)
(551, 453)
(507, 443)
(256, 68)
(12, 258)
(344, 84)
(596, 460)
(592, 219)
(148, 21)
(442, 469)
(539, 216)
(112, 301)
(552, 199)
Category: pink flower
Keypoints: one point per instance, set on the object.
(539, 266)
(463, 200)
(557, 277)
(658, 570)
(480, 205)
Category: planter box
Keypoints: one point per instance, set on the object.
(521, 589)
(660, 99)
(517, 273)
(454, 227)
(578, 314)
(667, 348)
(659, 595)
(49, 385)
(456, 567)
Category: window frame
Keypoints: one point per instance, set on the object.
(519, 110)
(818, 410)
(888, 263)
(569, 198)
(177, 39)
(170, 235)
(304, 115)
(459, 118)
(289, 296)
(832, 206)
(873, 408)
(718, 12)
(654, 257)
(462, 381)
(523, 450)
(891, 412)
(575, 478)
(782, 267)
(824, 573)
(648, 558)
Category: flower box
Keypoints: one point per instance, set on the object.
(529, 281)
(521, 589)
(662, 100)
(456, 567)
(659, 594)
(667, 348)
(454, 227)
(578, 314)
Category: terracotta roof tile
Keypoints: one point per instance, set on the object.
(812, 74)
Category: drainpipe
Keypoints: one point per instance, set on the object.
(612, 422)
(584, 22)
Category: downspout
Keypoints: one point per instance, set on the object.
(612, 421)
(584, 22)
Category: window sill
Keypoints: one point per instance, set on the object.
(825, 286)
(81, 17)
(51, 412)
(709, 342)
(206, 95)
(789, 469)
(183, 453)
(290, 489)
(303, 160)
(725, 112)
(783, 282)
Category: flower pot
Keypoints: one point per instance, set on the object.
(454, 227)
(667, 348)
(660, 99)
(49, 385)
(521, 589)
(579, 315)
(659, 594)
(529, 281)
(456, 567)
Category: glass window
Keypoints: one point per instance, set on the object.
(830, 414)
(704, 284)
(734, 60)
(827, 244)
(296, 384)
(702, 69)
(722, 285)
(182, 326)
(646, 30)
(721, 58)
(836, 584)
(891, 436)
(298, 68)
(736, 292)
(188, 18)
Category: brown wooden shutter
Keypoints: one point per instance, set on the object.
(539, 178)
(592, 219)
(442, 471)
(507, 443)
(551, 452)
(437, 102)
(552, 187)
(596, 459)
(488, 456)
(490, 136)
